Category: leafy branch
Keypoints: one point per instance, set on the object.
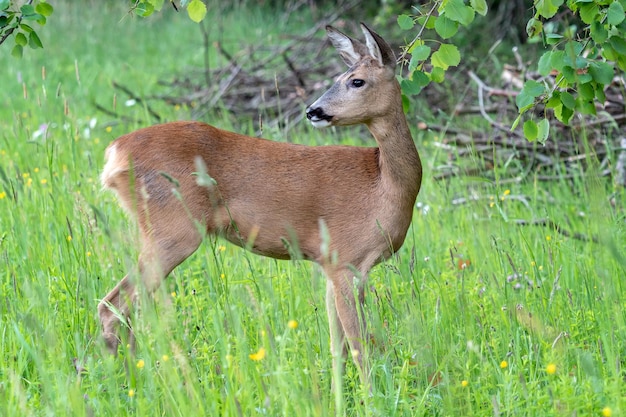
(12, 23)
(584, 58)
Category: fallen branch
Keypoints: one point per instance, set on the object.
(553, 225)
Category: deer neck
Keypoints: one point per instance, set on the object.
(399, 161)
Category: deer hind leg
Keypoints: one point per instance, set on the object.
(167, 242)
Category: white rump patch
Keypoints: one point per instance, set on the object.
(112, 166)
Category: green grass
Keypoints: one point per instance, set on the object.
(64, 244)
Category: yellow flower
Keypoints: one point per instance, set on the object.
(131, 393)
(504, 364)
(464, 383)
(108, 129)
(165, 358)
(44, 181)
(607, 412)
(292, 324)
(548, 238)
(492, 204)
(533, 263)
(69, 238)
(2, 195)
(259, 355)
(507, 192)
(221, 248)
(173, 294)
(88, 254)
(140, 364)
(551, 369)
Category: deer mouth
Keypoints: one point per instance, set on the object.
(318, 117)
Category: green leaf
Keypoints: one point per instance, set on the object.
(446, 28)
(563, 114)
(547, 8)
(568, 100)
(415, 84)
(615, 14)
(446, 56)
(534, 27)
(609, 53)
(438, 75)
(418, 56)
(144, 9)
(34, 41)
(534, 88)
(586, 91)
(602, 72)
(4, 4)
(406, 104)
(17, 51)
(459, 12)
(196, 10)
(516, 122)
(554, 101)
(20, 39)
(586, 106)
(531, 90)
(427, 21)
(26, 28)
(27, 10)
(544, 65)
(157, 4)
(557, 60)
(600, 96)
(589, 12)
(480, 6)
(421, 53)
(530, 130)
(405, 22)
(621, 62)
(553, 38)
(599, 34)
(618, 44)
(44, 9)
(543, 130)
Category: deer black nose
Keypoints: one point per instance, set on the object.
(317, 113)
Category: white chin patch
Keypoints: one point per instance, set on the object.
(320, 123)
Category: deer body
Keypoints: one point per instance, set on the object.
(346, 208)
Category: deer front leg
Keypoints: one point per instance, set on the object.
(346, 320)
(338, 347)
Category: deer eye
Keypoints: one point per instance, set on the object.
(357, 83)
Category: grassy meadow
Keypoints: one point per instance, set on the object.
(476, 316)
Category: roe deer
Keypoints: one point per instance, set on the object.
(346, 208)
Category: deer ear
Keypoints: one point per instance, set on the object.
(350, 50)
(378, 47)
